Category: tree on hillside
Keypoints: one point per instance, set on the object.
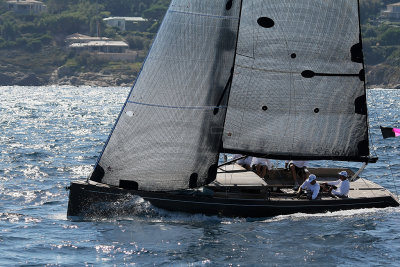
(391, 37)
(9, 31)
(2, 6)
(371, 9)
(155, 12)
(58, 6)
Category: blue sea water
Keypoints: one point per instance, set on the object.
(51, 136)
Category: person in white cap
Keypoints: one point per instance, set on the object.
(341, 187)
(261, 166)
(311, 186)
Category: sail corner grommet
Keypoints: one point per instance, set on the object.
(265, 108)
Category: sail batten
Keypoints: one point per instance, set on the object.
(298, 89)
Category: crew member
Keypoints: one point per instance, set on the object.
(311, 186)
(339, 188)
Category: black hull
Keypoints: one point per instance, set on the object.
(87, 199)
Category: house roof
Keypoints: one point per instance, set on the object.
(395, 4)
(133, 19)
(24, 2)
(78, 36)
(100, 43)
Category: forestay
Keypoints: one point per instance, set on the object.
(298, 89)
(168, 134)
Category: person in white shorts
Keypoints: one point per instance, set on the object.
(262, 166)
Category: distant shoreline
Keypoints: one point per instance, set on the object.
(378, 77)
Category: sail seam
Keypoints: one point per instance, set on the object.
(203, 15)
(175, 107)
(242, 55)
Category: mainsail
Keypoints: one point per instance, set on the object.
(298, 89)
(168, 134)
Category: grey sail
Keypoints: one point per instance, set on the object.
(168, 134)
(298, 89)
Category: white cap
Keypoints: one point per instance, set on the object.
(312, 177)
(343, 173)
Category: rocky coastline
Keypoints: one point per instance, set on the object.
(378, 76)
(383, 76)
(65, 76)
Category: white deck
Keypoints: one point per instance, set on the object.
(248, 178)
(280, 178)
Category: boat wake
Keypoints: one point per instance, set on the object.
(126, 206)
(133, 207)
(336, 214)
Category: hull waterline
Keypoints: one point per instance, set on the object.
(88, 199)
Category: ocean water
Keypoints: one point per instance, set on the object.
(51, 136)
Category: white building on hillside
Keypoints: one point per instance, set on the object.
(392, 12)
(127, 23)
(81, 38)
(26, 6)
(101, 46)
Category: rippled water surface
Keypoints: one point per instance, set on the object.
(52, 135)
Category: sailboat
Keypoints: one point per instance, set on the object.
(266, 78)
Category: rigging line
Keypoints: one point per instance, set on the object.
(360, 39)
(227, 86)
(371, 140)
(231, 161)
(394, 184)
(391, 172)
(234, 61)
(175, 107)
(369, 188)
(226, 178)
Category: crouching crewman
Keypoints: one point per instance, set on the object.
(311, 186)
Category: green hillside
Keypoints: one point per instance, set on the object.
(34, 44)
